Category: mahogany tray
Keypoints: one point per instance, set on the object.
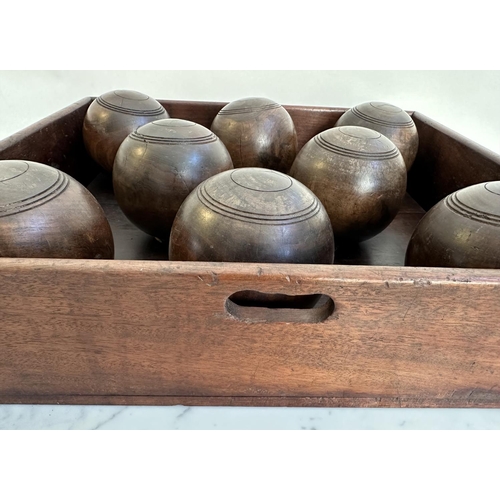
(143, 330)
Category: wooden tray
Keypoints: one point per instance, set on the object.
(142, 330)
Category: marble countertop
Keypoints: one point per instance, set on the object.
(185, 417)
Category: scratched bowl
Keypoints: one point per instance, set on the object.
(391, 121)
(252, 215)
(158, 165)
(257, 132)
(112, 117)
(462, 230)
(45, 213)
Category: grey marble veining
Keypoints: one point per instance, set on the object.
(184, 417)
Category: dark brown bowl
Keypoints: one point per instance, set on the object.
(360, 177)
(46, 213)
(257, 132)
(112, 117)
(462, 230)
(252, 215)
(158, 165)
(391, 121)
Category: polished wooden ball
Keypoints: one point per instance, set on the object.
(157, 166)
(46, 213)
(358, 174)
(462, 230)
(257, 132)
(252, 215)
(389, 120)
(112, 117)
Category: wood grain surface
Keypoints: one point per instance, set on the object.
(447, 161)
(108, 328)
(56, 141)
(260, 401)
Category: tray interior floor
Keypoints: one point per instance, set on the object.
(386, 249)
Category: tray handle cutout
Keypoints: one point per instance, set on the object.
(257, 307)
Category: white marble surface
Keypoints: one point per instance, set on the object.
(184, 417)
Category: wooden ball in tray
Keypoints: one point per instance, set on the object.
(360, 177)
(158, 165)
(252, 215)
(462, 230)
(389, 120)
(112, 117)
(257, 132)
(46, 213)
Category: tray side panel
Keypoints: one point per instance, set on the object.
(447, 161)
(261, 401)
(56, 141)
(154, 330)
